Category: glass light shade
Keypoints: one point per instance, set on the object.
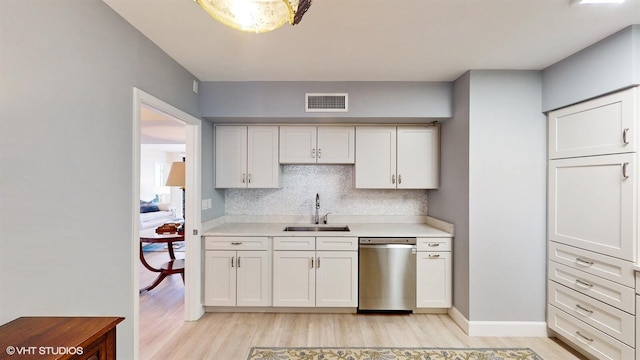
(252, 15)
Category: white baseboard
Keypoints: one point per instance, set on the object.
(499, 328)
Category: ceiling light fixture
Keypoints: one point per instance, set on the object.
(256, 16)
(596, 2)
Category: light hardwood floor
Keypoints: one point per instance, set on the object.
(230, 336)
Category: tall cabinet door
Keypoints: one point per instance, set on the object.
(337, 279)
(294, 280)
(298, 144)
(592, 204)
(263, 170)
(418, 150)
(231, 156)
(376, 157)
(220, 278)
(253, 278)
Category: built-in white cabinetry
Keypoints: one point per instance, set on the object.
(305, 144)
(403, 157)
(433, 273)
(237, 271)
(315, 272)
(247, 157)
(592, 225)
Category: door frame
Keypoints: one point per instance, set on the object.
(193, 308)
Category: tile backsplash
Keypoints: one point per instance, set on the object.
(334, 183)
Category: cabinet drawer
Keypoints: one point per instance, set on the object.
(601, 126)
(603, 317)
(236, 243)
(294, 243)
(585, 337)
(610, 268)
(434, 244)
(336, 243)
(598, 288)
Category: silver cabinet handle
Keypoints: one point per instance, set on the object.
(243, 176)
(584, 337)
(319, 153)
(433, 256)
(236, 243)
(232, 258)
(625, 132)
(313, 153)
(583, 309)
(399, 179)
(249, 178)
(581, 261)
(624, 170)
(584, 284)
(393, 179)
(239, 261)
(312, 263)
(433, 245)
(318, 264)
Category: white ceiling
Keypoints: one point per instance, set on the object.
(379, 40)
(164, 131)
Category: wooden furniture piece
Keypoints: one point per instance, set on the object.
(59, 338)
(173, 266)
(592, 221)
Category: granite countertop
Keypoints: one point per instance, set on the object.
(356, 229)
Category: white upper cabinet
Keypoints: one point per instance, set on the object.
(247, 157)
(601, 126)
(404, 157)
(317, 144)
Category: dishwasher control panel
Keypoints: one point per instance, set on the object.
(387, 240)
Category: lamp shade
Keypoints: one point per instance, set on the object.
(176, 174)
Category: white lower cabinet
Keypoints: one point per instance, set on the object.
(236, 277)
(433, 273)
(310, 278)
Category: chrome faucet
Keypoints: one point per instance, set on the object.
(317, 208)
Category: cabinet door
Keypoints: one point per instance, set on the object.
(337, 279)
(220, 278)
(433, 276)
(418, 154)
(592, 204)
(376, 154)
(231, 156)
(298, 145)
(336, 145)
(294, 281)
(263, 169)
(605, 125)
(253, 278)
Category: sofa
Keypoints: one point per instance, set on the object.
(154, 214)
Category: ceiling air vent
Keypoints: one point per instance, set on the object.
(327, 102)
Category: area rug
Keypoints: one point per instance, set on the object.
(269, 353)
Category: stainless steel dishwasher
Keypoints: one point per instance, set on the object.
(387, 274)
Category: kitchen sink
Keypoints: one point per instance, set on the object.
(317, 228)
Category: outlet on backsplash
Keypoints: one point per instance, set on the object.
(334, 183)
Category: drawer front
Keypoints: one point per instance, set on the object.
(611, 293)
(590, 340)
(236, 243)
(600, 126)
(336, 243)
(610, 268)
(434, 244)
(603, 317)
(294, 243)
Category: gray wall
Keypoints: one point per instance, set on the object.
(507, 197)
(279, 101)
(608, 65)
(451, 201)
(493, 169)
(208, 176)
(68, 69)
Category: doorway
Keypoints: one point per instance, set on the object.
(193, 308)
